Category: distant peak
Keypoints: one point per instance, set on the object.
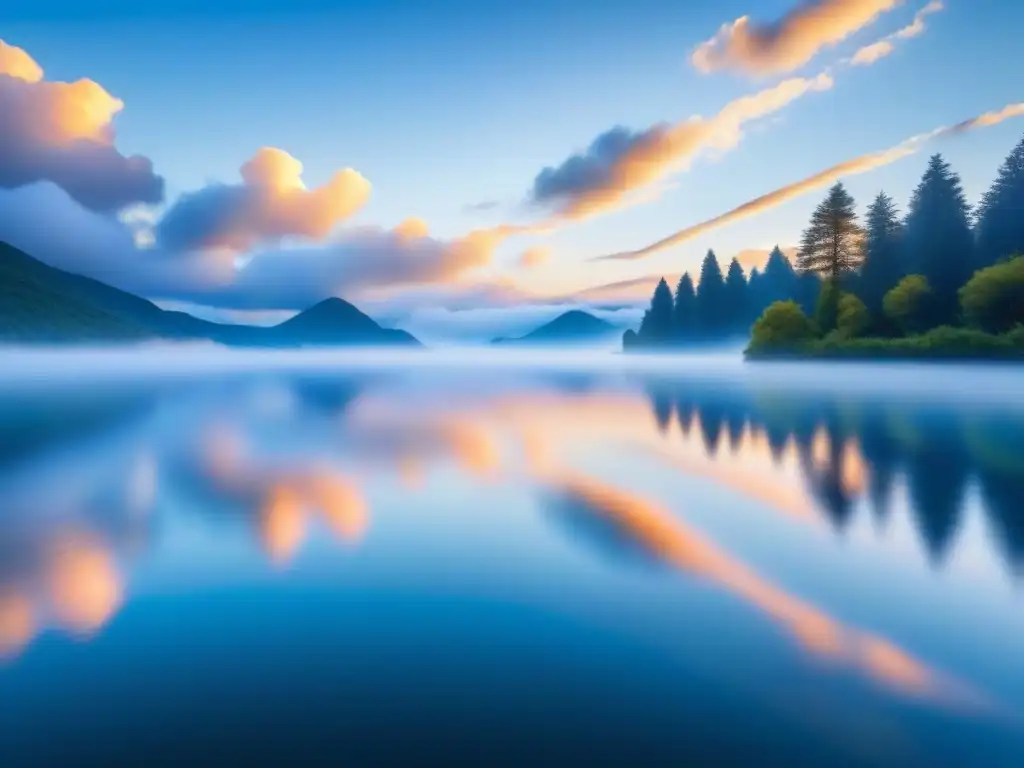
(331, 303)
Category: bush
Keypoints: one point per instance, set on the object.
(944, 342)
(993, 299)
(826, 313)
(629, 339)
(853, 317)
(909, 304)
(783, 326)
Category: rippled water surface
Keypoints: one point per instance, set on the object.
(361, 560)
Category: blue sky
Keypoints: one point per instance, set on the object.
(445, 104)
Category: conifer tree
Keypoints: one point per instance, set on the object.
(685, 310)
(736, 299)
(711, 297)
(757, 300)
(780, 277)
(882, 268)
(660, 316)
(831, 244)
(939, 241)
(808, 287)
(1000, 226)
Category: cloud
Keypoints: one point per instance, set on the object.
(412, 228)
(869, 54)
(481, 207)
(621, 161)
(917, 26)
(853, 167)
(788, 43)
(637, 290)
(535, 257)
(271, 203)
(63, 133)
(45, 222)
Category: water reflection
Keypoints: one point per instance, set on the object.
(668, 538)
(575, 475)
(851, 450)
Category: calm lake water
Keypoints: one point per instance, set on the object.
(473, 558)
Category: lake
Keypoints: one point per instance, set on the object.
(479, 557)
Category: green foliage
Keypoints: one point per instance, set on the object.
(908, 305)
(831, 245)
(658, 322)
(42, 304)
(853, 317)
(712, 307)
(939, 241)
(826, 313)
(737, 298)
(1000, 224)
(883, 266)
(783, 326)
(685, 309)
(943, 343)
(993, 300)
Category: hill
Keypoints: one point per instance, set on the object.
(42, 304)
(573, 326)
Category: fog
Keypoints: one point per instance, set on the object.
(940, 381)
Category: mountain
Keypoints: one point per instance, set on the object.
(573, 326)
(334, 322)
(39, 303)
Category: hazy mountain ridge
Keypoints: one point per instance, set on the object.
(574, 325)
(43, 304)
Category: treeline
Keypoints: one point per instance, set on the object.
(720, 306)
(888, 276)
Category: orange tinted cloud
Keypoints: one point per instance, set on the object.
(63, 133)
(620, 162)
(15, 62)
(412, 228)
(271, 203)
(534, 257)
(869, 54)
(853, 167)
(988, 119)
(792, 41)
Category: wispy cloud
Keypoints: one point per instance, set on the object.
(482, 207)
(853, 167)
(788, 43)
(620, 161)
(869, 54)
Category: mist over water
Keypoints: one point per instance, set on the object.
(544, 555)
